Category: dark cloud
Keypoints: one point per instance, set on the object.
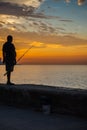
(2, 22)
(43, 16)
(1, 25)
(60, 28)
(15, 9)
(65, 20)
(45, 27)
(21, 10)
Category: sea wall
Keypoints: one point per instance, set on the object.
(58, 99)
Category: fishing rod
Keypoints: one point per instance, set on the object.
(24, 54)
(21, 57)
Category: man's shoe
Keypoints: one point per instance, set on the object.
(9, 83)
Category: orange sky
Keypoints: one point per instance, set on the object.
(54, 54)
(46, 53)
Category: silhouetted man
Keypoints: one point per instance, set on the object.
(9, 57)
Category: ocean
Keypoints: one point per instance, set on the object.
(69, 76)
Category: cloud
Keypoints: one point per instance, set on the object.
(68, 1)
(66, 20)
(43, 16)
(67, 40)
(20, 7)
(14, 9)
(33, 3)
(24, 8)
(25, 24)
(41, 31)
(27, 16)
(1, 25)
(24, 39)
(81, 2)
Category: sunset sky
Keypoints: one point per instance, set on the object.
(56, 28)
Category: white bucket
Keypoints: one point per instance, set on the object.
(46, 109)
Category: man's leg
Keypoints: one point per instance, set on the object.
(8, 77)
(9, 69)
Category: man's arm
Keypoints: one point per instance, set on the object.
(15, 54)
(3, 54)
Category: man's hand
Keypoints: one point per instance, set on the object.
(15, 62)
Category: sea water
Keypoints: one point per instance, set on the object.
(70, 76)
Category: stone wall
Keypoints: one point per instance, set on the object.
(60, 100)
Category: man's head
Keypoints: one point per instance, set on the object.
(9, 38)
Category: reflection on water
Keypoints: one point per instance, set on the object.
(55, 75)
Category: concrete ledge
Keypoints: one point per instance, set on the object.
(60, 100)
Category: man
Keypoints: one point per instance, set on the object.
(9, 57)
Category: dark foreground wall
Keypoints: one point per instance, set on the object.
(60, 100)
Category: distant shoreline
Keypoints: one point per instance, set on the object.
(49, 64)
